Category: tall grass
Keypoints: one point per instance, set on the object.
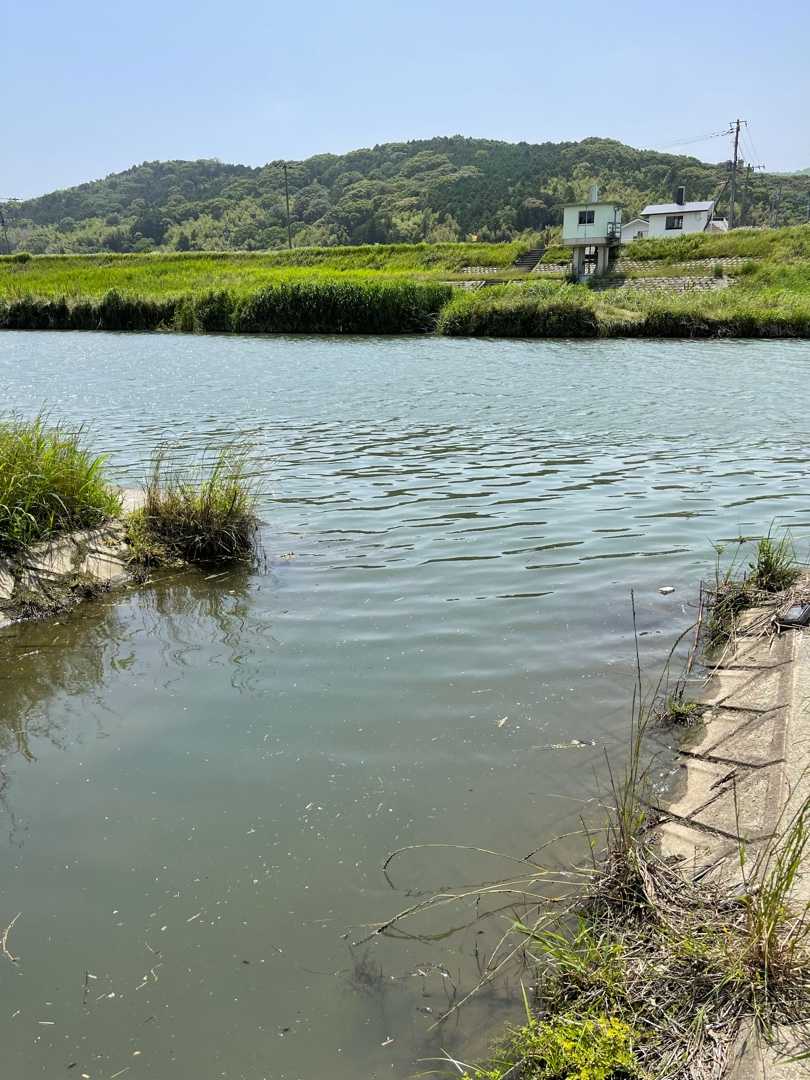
(204, 516)
(310, 307)
(542, 310)
(50, 483)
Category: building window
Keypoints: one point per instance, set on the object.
(674, 221)
(586, 217)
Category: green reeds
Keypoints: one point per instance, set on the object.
(542, 310)
(289, 307)
(50, 483)
(207, 515)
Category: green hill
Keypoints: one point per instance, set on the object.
(442, 189)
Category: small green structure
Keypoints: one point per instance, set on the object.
(593, 230)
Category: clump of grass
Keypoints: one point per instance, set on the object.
(774, 567)
(680, 713)
(205, 518)
(50, 483)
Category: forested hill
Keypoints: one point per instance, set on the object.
(434, 189)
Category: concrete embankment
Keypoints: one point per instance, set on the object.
(745, 775)
(52, 576)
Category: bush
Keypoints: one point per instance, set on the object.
(50, 483)
(210, 518)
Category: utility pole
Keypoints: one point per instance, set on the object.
(287, 197)
(735, 129)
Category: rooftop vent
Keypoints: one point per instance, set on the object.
(594, 193)
(680, 195)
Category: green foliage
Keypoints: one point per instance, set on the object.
(774, 566)
(540, 311)
(342, 308)
(776, 244)
(50, 483)
(205, 518)
(682, 713)
(402, 289)
(566, 1048)
(427, 190)
(556, 254)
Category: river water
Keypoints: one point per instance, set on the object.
(202, 778)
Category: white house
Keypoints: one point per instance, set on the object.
(680, 217)
(592, 230)
(635, 230)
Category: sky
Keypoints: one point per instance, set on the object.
(91, 87)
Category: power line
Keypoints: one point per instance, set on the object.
(697, 139)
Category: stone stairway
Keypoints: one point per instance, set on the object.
(528, 260)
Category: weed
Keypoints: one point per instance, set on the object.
(207, 517)
(774, 567)
(565, 1048)
(680, 713)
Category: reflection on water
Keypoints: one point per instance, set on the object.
(204, 776)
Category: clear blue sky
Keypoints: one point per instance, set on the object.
(91, 87)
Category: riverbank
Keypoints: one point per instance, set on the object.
(751, 283)
(688, 952)
(67, 533)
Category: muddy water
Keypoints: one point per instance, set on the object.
(202, 778)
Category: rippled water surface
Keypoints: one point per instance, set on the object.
(203, 777)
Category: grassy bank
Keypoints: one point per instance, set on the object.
(50, 483)
(166, 275)
(640, 962)
(407, 289)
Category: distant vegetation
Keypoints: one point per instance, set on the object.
(410, 289)
(433, 190)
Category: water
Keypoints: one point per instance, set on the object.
(203, 777)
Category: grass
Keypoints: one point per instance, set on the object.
(542, 309)
(162, 276)
(775, 244)
(738, 586)
(50, 483)
(403, 288)
(208, 517)
(679, 712)
(307, 306)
